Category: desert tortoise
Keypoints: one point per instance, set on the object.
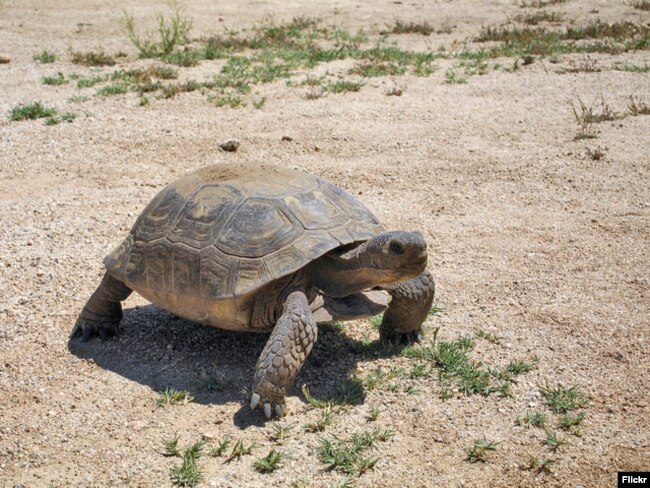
(264, 248)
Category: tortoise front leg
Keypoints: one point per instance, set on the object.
(102, 313)
(402, 322)
(285, 352)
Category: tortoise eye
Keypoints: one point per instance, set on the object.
(396, 248)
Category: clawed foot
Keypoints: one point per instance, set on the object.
(402, 338)
(271, 398)
(87, 329)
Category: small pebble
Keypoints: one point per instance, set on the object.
(230, 146)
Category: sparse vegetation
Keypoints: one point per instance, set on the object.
(280, 432)
(320, 425)
(342, 86)
(172, 396)
(539, 465)
(423, 28)
(571, 422)
(554, 441)
(348, 455)
(221, 447)
(562, 399)
(597, 36)
(172, 32)
(539, 17)
(58, 79)
(480, 450)
(92, 58)
(44, 57)
(534, 419)
(31, 111)
(269, 463)
(239, 450)
(596, 154)
(188, 473)
(642, 5)
(488, 336)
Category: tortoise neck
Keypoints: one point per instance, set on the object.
(341, 274)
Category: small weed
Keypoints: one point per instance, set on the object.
(570, 422)
(632, 68)
(259, 103)
(270, 462)
(232, 101)
(517, 366)
(376, 320)
(480, 450)
(637, 107)
(488, 336)
(280, 432)
(586, 65)
(539, 465)
(221, 447)
(535, 419)
(171, 447)
(420, 371)
(58, 79)
(31, 111)
(92, 58)
(455, 77)
(189, 473)
(343, 483)
(172, 32)
(350, 392)
(44, 57)
(411, 390)
(374, 69)
(642, 5)
(554, 441)
(343, 86)
(239, 450)
(171, 396)
(562, 399)
(114, 89)
(395, 91)
(423, 28)
(320, 425)
(78, 99)
(539, 3)
(347, 455)
(373, 413)
(539, 17)
(596, 154)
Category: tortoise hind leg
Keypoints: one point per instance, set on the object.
(103, 311)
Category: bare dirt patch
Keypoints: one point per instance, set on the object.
(504, 152)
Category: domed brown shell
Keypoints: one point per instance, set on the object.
(228, 230)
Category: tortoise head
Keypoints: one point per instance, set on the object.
(395, 256)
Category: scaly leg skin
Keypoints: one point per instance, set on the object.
(102, 313)
(402, 323)
(285, 352)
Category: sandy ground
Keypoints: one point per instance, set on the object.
(530, 239)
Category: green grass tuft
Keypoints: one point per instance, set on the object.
(172, 396)
(58, 79)
(480, 450)
(44, 57)
(269, 463)
(31, 111)
(562, 399)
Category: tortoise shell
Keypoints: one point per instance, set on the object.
(225, 231)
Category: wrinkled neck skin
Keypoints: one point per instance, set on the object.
(340, 275)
